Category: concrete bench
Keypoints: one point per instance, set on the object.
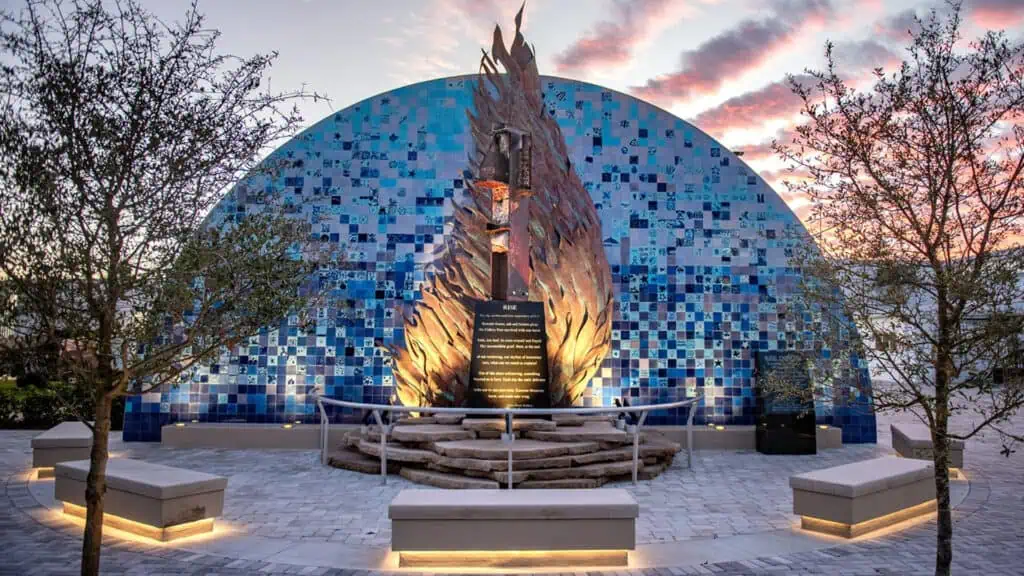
(152, 500)
(854, 499)
(594, 527)
(915, 441)
(64, 442)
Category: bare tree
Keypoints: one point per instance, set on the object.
(917, 211)
(118, 134)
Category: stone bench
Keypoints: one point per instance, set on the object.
(915, 441)
(64, 442)
(152, 500)
(513, 528)
(853, 499)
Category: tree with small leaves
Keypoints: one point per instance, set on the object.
(917, 216)
(119, 132)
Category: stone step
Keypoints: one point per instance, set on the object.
(406, 420)
(580, 419)
(443, 480)
(357, 462)
(564, 483)
(430, 433)
(649, 472)
(449, 418)
(351, 439)
(521, 449)
(398, 453)
(518, 476)
(497, 425)
(656, 444)
(615, 455)
(606, 433)
(471, 464)
(601, 470)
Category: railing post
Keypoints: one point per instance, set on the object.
(383, 447)
(324, 431)
(636, 451)
(509, 439)
(689, 435)
(636, 444)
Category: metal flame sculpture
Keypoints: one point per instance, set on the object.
(568, 269)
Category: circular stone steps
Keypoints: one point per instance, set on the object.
(585, 453)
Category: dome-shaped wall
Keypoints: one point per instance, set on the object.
(695, 239)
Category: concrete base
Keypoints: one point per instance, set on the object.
(241, 436)
(860, 497)
(50, 457)
(710, 438)
(505, 528)
(829, 437)
(517, 559)
(64, 442)
(914, 441)
(166, 534)
(739, 437)
(861, 509)
(155, 496)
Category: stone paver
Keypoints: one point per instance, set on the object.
(288, 495)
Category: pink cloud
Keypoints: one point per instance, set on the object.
(996, 14)
(611, 42)
(776, 101)
(734, 52)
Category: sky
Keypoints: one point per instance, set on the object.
(720, 64)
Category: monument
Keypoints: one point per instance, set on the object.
(785, 404)
(509, 363)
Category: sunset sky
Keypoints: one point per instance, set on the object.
(719, 63)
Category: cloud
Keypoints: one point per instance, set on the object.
(898, 26)
(734, 52)
(763, 150)
(996, 14)
(857, 57)
(611, 42)
(776, 100)
(432, 42)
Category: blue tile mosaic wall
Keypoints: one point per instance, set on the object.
(694, 237)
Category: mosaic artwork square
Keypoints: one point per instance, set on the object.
(696, 241)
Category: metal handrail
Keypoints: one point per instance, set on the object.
(508, 437)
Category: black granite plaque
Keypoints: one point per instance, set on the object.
(509, 366)
(785, 422)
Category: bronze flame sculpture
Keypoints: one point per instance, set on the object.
(568, 269)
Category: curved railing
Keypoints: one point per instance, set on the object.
(508, 414)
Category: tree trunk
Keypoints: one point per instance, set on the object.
(96, 485)
(940, 456)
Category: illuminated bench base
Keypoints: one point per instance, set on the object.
(152, 500)
(513, 559)
(513, 528)
(861, 528)
(854, 499)
(165, 534)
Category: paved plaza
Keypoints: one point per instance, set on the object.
(730, 514)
